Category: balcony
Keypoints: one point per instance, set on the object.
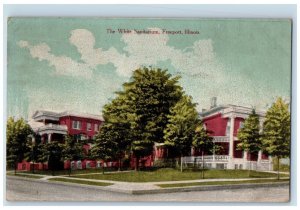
(52, 128)
(221, 139)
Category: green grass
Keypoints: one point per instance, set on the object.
(221, 183)
(66, 172)
(80, 181)
(25, 175)
(168, 174)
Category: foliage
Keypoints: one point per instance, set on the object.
(181, 127)
(151, 93)
(137, 117)
(249, 135)
(17, 133)
(104, 147)
(203, 141)
(72, 150)
(277, 130)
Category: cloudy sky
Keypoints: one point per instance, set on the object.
(75, 64)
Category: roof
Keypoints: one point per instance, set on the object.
(230, 108)
(81, 114)
(41, 114)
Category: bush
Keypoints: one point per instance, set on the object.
(167, 163)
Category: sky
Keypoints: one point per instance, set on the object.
(79, 63)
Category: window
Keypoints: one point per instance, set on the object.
(89, 126)
(241, 124)
(76, 125)
(228, 128)
(96, 127)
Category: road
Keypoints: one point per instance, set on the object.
(30, 190)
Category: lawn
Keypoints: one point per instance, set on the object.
(168, 174)
(80, 181)
(66, 172)
(26, 176)
(257, 181)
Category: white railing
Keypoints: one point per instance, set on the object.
(206, 158)
(221, 139)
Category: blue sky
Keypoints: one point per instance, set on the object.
(74, 64)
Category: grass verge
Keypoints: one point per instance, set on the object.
(221, 183)
(169, 174)
(26, 176)
(80, 181)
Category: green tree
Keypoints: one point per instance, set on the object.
(204, 142)
(105, 147)
(277, 130)
(72, 150)
(116, 118)
(17, 134)
(182, 122)
(142, 108)
(250, 136)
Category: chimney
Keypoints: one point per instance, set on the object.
(213, 102)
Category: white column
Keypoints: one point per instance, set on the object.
(259, 155)
(231, 143)
(49, 137)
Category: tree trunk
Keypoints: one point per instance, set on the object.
(119, 168)
(137, 160)
(278, 162)
(103, 168)
(16, 163)
(202, 164)
(181, 162)
(70, 168)
(249, 172)
(33, 167)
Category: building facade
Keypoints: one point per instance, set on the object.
(223, 123)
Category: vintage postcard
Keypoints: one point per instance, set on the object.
(131, 109)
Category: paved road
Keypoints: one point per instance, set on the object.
(29, 190)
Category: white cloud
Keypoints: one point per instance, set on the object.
(142, 49)
(63, 65)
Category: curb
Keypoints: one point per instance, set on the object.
(208, 188)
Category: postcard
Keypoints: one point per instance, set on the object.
(148, 109)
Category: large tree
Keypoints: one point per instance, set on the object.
(181, 127)
(72, 150)
(277, 130)
(142, 108)
(17, 134)
(250, 136)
